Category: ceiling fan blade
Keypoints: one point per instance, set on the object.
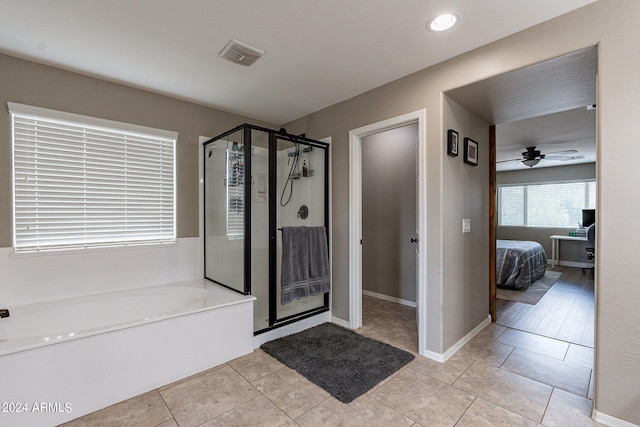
(564, 158)
(564, 152)
(510, 160)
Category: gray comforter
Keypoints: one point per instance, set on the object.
(519, 263)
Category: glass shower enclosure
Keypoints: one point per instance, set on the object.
(257, 181)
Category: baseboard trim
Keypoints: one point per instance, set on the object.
(461, 343)
(388, 298)
(576, 264)
(610, 421)
(438, 357)
(443, 357)
(340, 322)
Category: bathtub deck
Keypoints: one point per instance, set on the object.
(80, 375)
(217, 297)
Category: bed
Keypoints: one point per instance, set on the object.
(519, 263)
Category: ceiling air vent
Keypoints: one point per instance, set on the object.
(241, 53)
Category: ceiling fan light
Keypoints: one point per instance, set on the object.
(531, 162)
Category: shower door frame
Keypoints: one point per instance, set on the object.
(274, 136)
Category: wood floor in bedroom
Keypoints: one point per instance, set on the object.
(566, 312)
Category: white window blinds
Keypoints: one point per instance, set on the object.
(83, 182)
(552, 205)
(235, 193)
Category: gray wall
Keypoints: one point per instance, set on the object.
(570, 251)
(612, 26)
(389, 212)
(42, 86)
(466, 264)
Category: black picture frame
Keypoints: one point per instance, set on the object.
(470, 152)
(452, 143)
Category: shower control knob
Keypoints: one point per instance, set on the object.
(303, 212)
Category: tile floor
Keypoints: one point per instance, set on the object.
(503, 377)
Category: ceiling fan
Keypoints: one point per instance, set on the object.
(532, 157)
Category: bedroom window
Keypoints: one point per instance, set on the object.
(82, 182)
(554, 205)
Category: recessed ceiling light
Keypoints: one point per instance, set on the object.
(443, 22)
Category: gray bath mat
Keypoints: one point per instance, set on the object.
(344, 363)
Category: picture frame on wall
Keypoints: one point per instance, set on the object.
(452, 143)
(470, 152)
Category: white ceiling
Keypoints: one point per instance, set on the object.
(318, 53)
(568, 130)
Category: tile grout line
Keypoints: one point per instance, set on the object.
(274, 403)
(264, 395)
(513, 348)
(466, 410)
(259, 378)
(497, 404)
(460, 376)
(173, 417)
(393, 409)
(546, 408)
(308, 410)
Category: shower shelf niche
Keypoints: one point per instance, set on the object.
(299, 175)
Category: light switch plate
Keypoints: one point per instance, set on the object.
(466, 225)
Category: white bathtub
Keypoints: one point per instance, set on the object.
(34, 325)
(82, 354)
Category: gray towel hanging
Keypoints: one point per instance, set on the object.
(305, 263)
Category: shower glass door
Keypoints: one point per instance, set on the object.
(301, 193)
(260, 231)
(224, 210)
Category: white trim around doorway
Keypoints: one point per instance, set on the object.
(355, 218)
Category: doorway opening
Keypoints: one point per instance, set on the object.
(357, 138)
(389, 235)
(543, 141)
